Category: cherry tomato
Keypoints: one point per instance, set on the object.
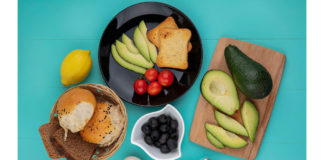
(165, 78)
(151, 74)
(154, 88)
(140, 86)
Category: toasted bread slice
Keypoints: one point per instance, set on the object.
(154, 37)
(45, 131)
(173, 52)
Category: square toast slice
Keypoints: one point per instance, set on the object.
(154, 37)
(74, 147)
(45, 131)
(173, 51)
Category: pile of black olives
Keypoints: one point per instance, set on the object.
(162, 132)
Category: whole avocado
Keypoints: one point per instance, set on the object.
(253, 80)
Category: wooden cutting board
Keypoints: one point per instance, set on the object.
(274, 62)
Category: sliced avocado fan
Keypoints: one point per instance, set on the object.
(124, 63)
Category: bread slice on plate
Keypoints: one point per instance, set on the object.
(74, 147)
(173, 51)
(154, 37)
(45, 131)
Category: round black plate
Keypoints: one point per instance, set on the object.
(120, 79)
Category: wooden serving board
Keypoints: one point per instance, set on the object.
(274, 62)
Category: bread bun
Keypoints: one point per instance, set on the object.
(105, 126)
(75, 108)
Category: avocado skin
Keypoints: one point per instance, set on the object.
(250, 77)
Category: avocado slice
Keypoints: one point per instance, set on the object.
(151, 46)
(129, 44)
(136, 59)
(227, 138)
(250, 77)
(250, 117)
(140, 44)
(213, 140)
(124, 63)
(230, 124)
(218, 88)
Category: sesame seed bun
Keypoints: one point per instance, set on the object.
(105, 125)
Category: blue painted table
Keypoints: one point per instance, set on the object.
(48, 30)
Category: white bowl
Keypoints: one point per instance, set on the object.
(137, 136)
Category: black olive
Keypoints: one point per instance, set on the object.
(168, 119)
(157, 144)
(174, 135)
(155, 135)
(174, 124)
(164, 128)
(153, 122)
(146, 129)
(172, 131)
(164, 149)
(163, 139)
(172, 144)
(148, 140)
(162, 118)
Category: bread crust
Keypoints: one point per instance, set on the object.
(173, 52)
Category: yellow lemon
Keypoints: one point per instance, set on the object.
(75, 67)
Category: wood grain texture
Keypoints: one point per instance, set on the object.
(274, 62)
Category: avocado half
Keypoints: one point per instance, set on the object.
(218, 88)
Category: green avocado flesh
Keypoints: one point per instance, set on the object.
(124, 63)
(136, 59)
(141, 44)
(250, 77)
(151, 47)
(218, 88)
(213, 140)
(227, 138)
(129, 44)
(250, 117)
(230, 123)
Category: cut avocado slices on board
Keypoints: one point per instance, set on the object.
(213, 140)
(230, 124)
(218, 88)
(136, 59)
(250, 117)
(227, 138)
(140, 44)
(129, 44)
(250, 77)
(124, 63)
(151, 47)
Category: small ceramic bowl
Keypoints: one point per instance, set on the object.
(137, 136)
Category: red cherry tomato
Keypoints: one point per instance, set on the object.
(165, 78)
(154, 88)
(140, 86)
(151, 74)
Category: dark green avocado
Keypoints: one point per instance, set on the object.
(250, 77)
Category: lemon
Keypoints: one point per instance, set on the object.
(75, 67)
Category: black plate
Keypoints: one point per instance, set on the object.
(120, 79)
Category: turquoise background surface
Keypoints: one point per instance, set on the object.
(50, 29)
